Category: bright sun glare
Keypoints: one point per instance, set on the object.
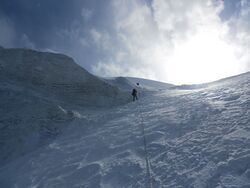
(205, 57)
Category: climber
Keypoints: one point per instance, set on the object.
(134, 94)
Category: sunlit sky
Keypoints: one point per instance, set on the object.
(175, 41)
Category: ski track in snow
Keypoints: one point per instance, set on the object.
(196, 139)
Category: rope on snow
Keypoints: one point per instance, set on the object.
(148, 174)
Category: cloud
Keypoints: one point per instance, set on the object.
(239, 33)
(86, 14)
(26, 42)
(72, 32)
(128, 41)
(10, 38)
(7, 32)
(101, 39)
(75, 35)
(114, 69)
(167, 40)
(173, 41)
(245, 8)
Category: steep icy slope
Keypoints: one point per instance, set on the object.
(128, 83)
(150, 84)
(225, 81)
(196, 138)
(39, 95)
(120, 82)
(57, 75)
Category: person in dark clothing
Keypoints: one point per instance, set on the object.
(134, 94)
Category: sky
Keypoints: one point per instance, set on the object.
(174, 41)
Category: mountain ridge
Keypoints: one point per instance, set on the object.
(57, 74)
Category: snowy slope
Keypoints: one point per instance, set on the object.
(39, 93)
(225, 81)
(57, 75)
(128, 83)
(196, 138)
(150, 84)
(120, 82)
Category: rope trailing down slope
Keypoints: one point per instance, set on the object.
(148, 169)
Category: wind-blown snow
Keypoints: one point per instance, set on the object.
(120, 82)
(150, 84)
(39, 95)
(58, 76)
(196, 138)
(128, 83)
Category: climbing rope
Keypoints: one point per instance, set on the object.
(148, 163)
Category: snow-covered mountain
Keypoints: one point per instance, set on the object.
(196, 137)
(39, 93)
(150, 84)
(120, 82)
(58, 76)
(128, 83)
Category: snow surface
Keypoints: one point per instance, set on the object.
(120, 82)
(128, 83)
(150, 84)
(38, 93)
(197, 137)
(58, 76)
